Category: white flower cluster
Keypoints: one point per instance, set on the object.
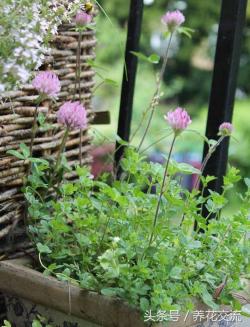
(69, 8)
(25, 29)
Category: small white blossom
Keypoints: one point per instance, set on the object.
(2, 88)
(27, 29)
(116, 239)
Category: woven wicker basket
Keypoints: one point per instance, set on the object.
(16, 117)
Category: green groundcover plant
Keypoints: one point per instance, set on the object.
(97, 235)
(39, 322)
(143, 237)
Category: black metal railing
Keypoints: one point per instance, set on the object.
(129, 75)
(222, 95)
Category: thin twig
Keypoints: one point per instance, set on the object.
(79, 90)
(33, 135)
(58, 160)
(156, 142)
(155, 99)
(207, 158)
(204, 164)
(161, 192)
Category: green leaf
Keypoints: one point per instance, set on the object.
(109, 262)
(41, 119)
(93, 64)
(144, 304)
(237, 306)
(40, 161)
(82, 172)
(186, 31)
(194, 245)
(215, 202)
(166, 34)
(6, 324)
(43, 248)
(207, 298)
(212, 143)
(40, 98)
(232, 177)
(207, 179)
(109, 291)
(153, 58)
(69, 188)
(52, 267)
(245, 312)
(16, 154)
(140, 55)
(185, 168)
(36, 323)
(64, 163)
(25, 150)
(247, 182)
(176, 272)
(110, 82)
(42, 122)
(121, 141)
(87, 280)
(83, 240)
(66, 272)
(59, 226)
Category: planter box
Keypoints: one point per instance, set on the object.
(29, 293)
(22, 312)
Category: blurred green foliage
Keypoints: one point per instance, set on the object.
(203, 17)
(188, 75)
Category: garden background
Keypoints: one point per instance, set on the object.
(187, 78)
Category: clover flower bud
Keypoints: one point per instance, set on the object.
(73, 115)
(178, 120)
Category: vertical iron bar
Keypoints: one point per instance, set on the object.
(129, 75)
(227, 58)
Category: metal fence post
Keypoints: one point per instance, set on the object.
(129, 75)
(232, 20)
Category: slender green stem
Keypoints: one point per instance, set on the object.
(155, 99)
(80, 149)
(33, 135)
(203, 166)
(117, 34)
(76, 74)
(79, 64)
(104, 233)
(162, 191)
(110, 157)
(78, 83)
(207, 158)
(98, 86)
(156, 142)
(33, 131)
(77, 67)
(206, 219)
(79, 90)
(62, 146)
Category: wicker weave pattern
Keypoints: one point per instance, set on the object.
(16, 117)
